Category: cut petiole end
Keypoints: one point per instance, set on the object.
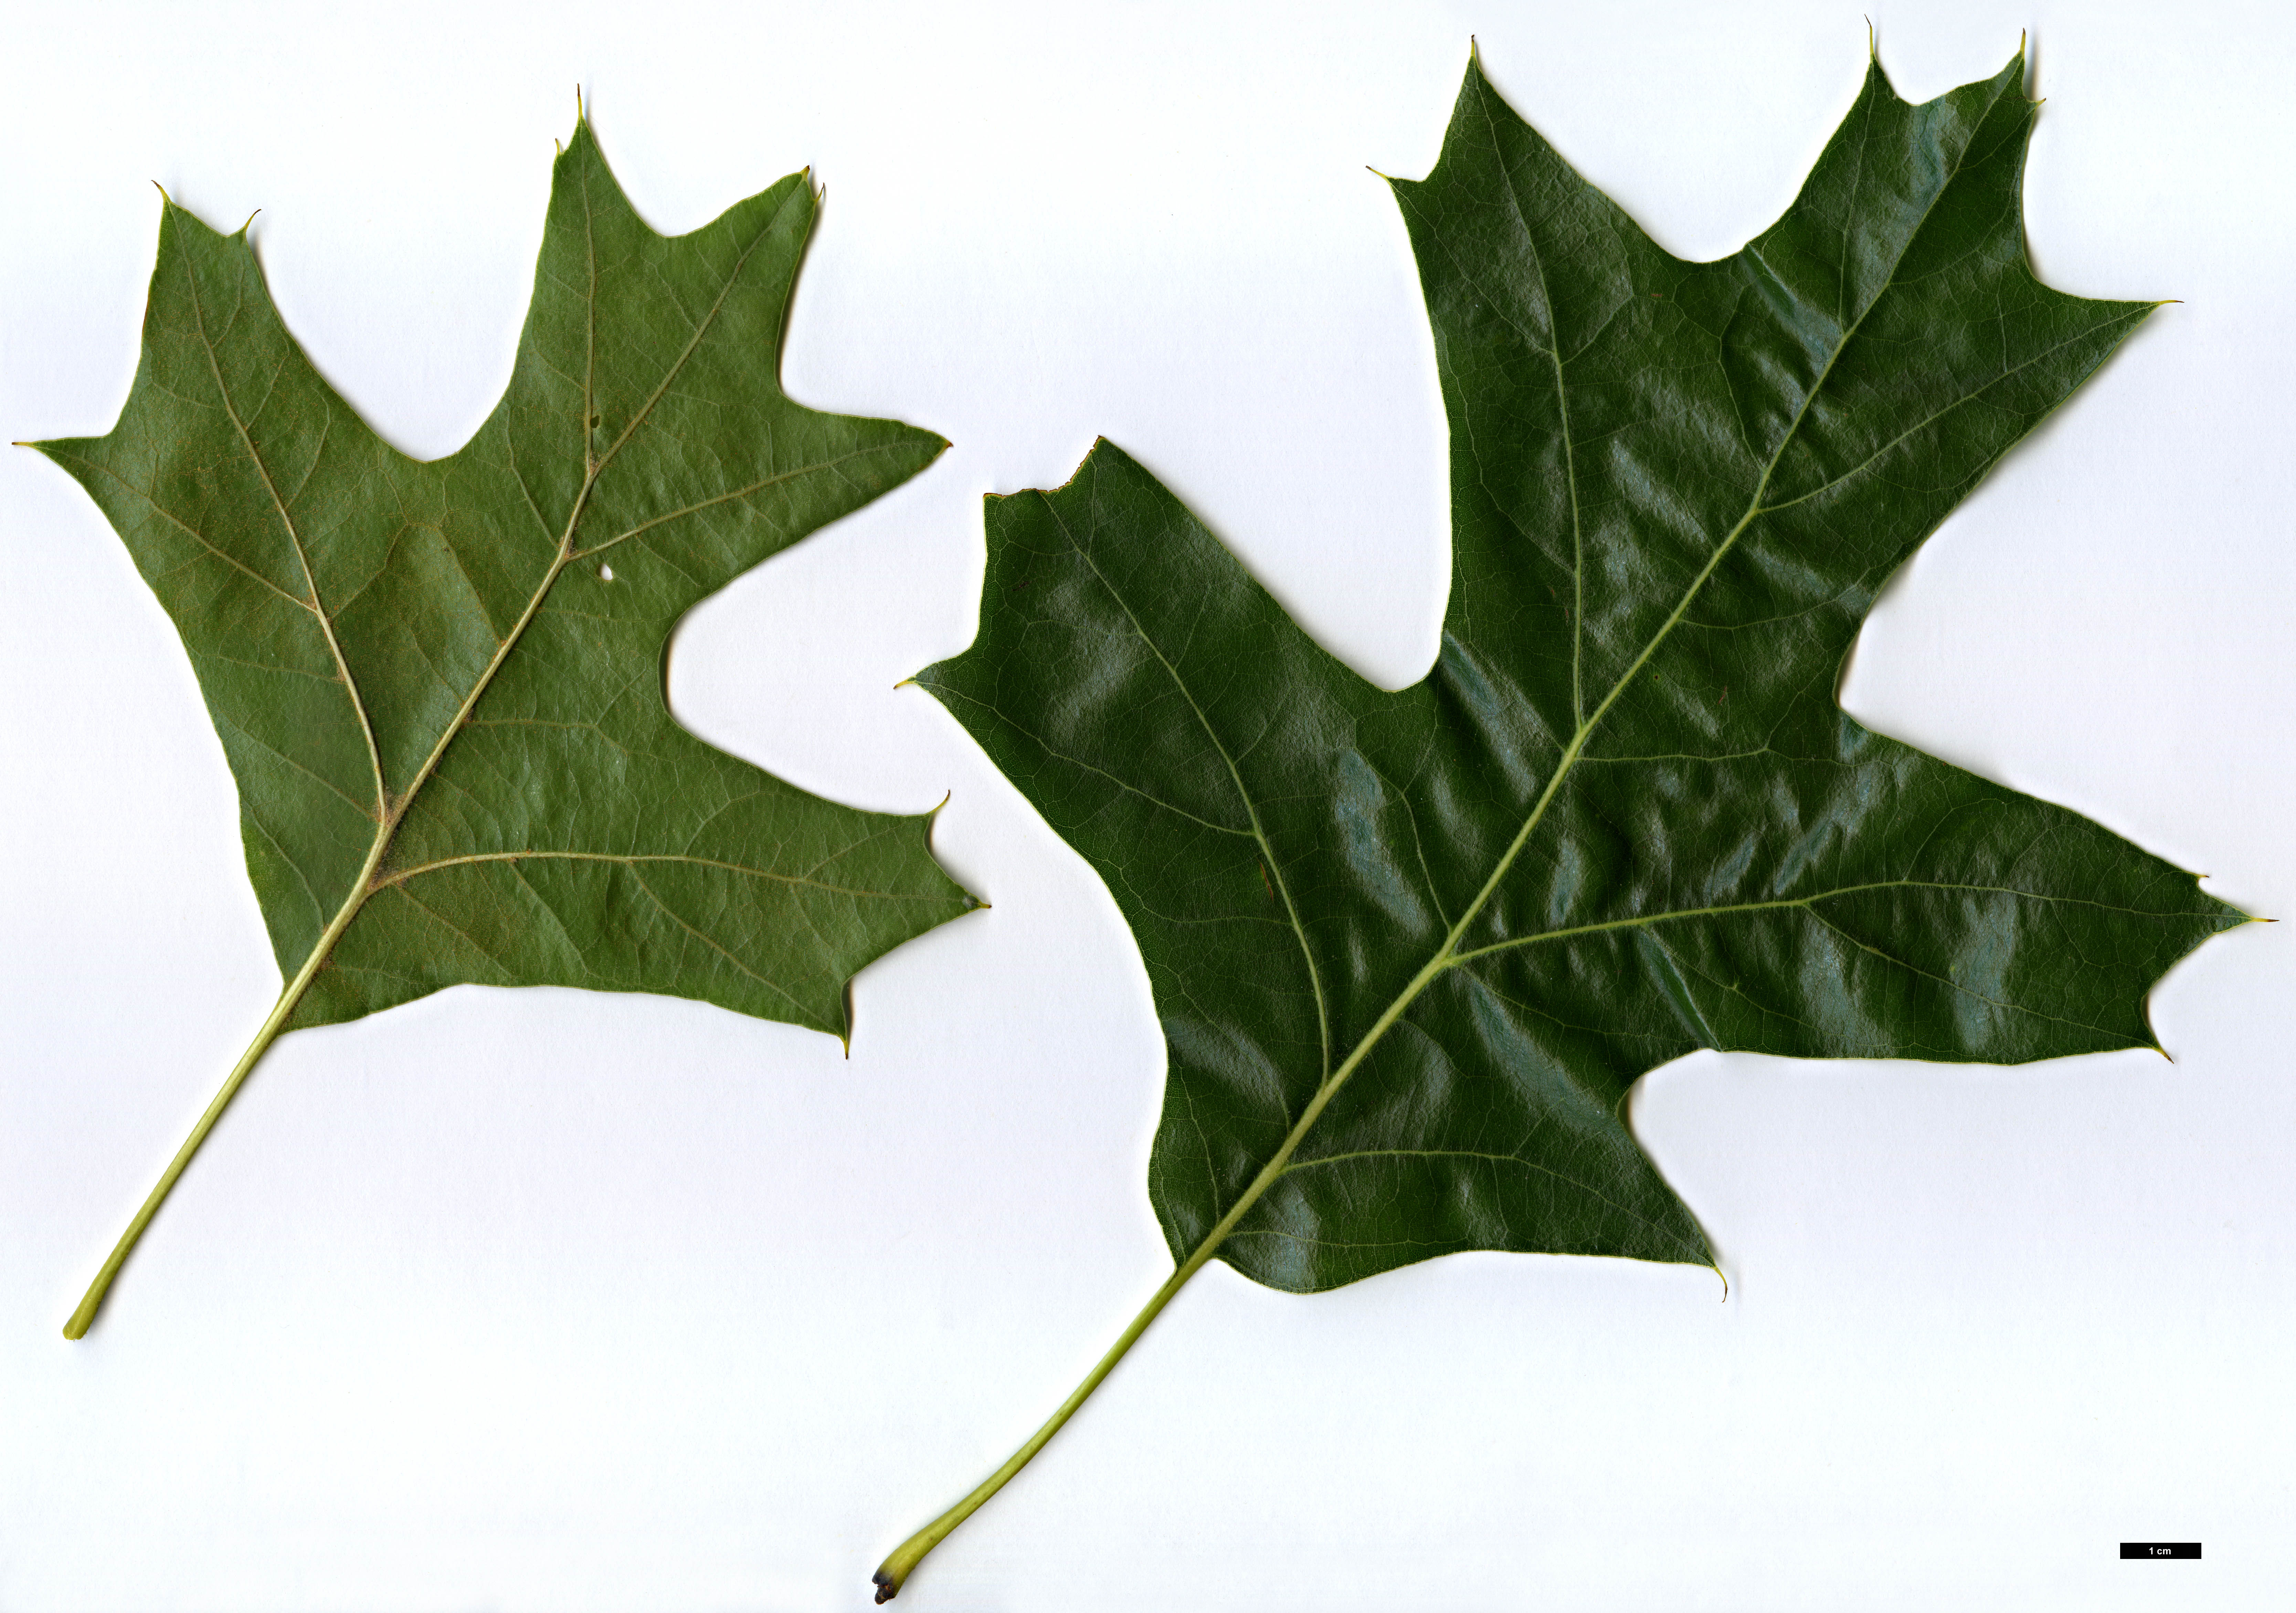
(894, 1572)
(92, 1301)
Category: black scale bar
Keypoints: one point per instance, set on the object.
(2159, 1548)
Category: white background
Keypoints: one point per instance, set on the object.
(542, 1300)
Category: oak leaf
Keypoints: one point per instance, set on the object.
(440, 684)
(1412, 950)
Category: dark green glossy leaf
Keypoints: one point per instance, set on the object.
(439, 685)
(1411, 949)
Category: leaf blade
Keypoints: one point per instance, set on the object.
(1623, 817)
(443, 705)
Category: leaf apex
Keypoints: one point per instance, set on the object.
(1477, 73)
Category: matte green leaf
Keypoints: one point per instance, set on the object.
(1411, 949)
(440, 685)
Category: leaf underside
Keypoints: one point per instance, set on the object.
(440, 684)
(1624, 817)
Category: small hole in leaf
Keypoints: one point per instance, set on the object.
(605, 573)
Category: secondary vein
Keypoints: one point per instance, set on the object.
(1251, 811)
(1447, 953)
(286, 520)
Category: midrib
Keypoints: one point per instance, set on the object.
(388, 812)
(896, 1568)
(392, 811)
(1447, 956)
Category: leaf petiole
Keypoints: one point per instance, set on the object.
(896, 1569)
(277, 1020)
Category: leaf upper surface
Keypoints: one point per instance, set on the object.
(1411, 949)
(440, 685)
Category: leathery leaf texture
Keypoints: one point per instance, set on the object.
(1410, 950)
(440, 685)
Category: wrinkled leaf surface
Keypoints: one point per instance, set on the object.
(1624, 817)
